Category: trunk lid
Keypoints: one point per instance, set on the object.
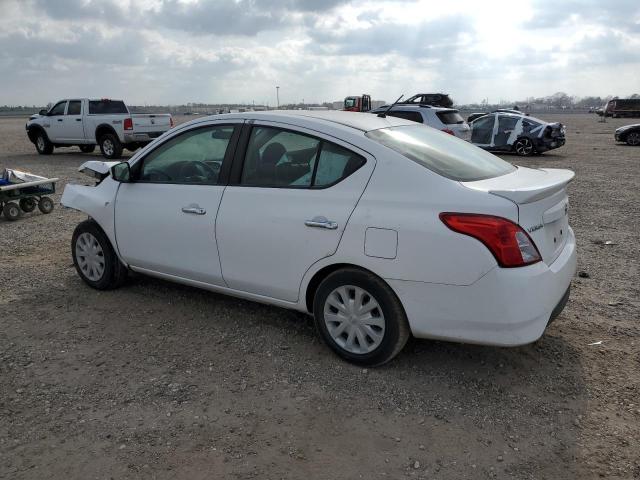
(543, 204)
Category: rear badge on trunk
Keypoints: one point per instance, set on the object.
(534, 228)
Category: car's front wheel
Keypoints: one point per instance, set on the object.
(94, 258)
(359, 317)
(43, 145)
(524, 147)
(633, 139)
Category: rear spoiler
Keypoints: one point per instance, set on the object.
(525, 185)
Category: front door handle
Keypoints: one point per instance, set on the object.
(59, 119)
(321, 222)
(194, 209)
(78, 119)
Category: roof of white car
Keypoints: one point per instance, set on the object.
(404, 106)
(360, 121)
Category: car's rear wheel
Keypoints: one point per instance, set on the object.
(633, 139)
(94, 258)
(524, 147)
(359, 317)
(43, 145)
(87, 148)
(110, 146)
(11, 211)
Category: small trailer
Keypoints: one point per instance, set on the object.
(22, 192)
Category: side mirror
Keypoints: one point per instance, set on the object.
(43, 112)
(121, 172)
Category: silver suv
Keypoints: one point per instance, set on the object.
(448, 120)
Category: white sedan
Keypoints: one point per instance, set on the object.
(379, 227)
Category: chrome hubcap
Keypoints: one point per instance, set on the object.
(354, 319)
(524, 147)
(40, 142)
(90, 257)
(107, 146)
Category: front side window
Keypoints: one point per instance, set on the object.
(194, 157)
(58, 109)
(447, 156)
(280, 158)
(75, 107)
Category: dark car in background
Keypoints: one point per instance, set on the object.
(629, 134)
(509, 132)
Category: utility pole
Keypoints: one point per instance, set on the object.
(278, 97)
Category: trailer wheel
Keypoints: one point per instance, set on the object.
(45, 205)
(11, 211)
(110, 146)
(87, 148)
(27, 204)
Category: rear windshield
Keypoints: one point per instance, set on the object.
(450, 118)
(107, 106)
(441, 153)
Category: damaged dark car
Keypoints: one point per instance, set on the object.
(507, 132)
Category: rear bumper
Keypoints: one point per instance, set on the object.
(506, 307)
(141, 137)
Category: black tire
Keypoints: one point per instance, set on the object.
(45, 205)
(524, 147)
(87, 148)
(396, 328)
(633, 139)
(43, 145)
(114, 273)
(27, 204)
(11, 211)
(110, 146)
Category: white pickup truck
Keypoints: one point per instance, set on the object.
(87, 123)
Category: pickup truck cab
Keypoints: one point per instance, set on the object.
(87, 123)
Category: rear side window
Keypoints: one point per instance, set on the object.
(441, 153)
(97, 107)
(334, 164)
(450, 118)
(413, 116)
(75, 106)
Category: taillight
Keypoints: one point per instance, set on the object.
(449, 131)
(128, 124)
(507, 241)
(170, 122)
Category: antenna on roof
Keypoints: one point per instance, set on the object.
(384, 114)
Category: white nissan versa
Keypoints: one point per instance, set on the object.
(379, 227)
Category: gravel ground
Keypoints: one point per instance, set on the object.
(157, 380)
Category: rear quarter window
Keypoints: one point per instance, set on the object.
(103, 107)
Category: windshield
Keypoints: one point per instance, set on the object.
(107, 107)
(441, 153)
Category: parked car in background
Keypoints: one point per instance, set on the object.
(517, 133)
(447, 120)
(622, 108)
(629, 134)
(433, 99)
(378, 227)
(87, 123)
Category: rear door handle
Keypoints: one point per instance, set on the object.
(78, 119)
(59, 119)
(321, 222)
(194, 209)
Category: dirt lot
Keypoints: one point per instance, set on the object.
(157, 380)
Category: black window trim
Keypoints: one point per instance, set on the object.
(239, 158)
(223, 176)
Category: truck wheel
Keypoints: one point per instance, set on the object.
(45, 205)
(11, 211)
(43, 145)
(110, 146)
(94, 258)
(27, 204)
(87, 148)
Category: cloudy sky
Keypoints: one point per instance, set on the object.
(178, 51)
